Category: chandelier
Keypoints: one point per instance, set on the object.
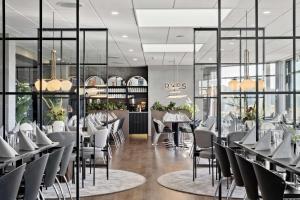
(53, 84)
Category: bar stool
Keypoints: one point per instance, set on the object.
(224, 164)
(238, 180)
(10, 183)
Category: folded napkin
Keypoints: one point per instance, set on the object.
(284, 150)
(296, 161)
(6, 150)
(25, 143)
(264, 143)
(41, 137)
(250, 137)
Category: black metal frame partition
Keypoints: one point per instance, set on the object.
(257, 38)
(39, 39)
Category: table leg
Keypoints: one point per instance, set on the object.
(175, 128)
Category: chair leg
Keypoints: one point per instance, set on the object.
(208, 166)
(68, 187)
(55, 189)
(218, 187)
(73, 173)
(60, 188)
(231, 189)
(212, 173)
(41, 195)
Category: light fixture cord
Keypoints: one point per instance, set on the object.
(53, 56)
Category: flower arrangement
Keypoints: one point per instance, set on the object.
(56, 111)
(250, 113)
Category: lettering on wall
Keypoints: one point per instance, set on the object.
(175, 85)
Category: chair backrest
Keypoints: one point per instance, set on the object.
(33, 177)
(204, 138)
(249, 178)
(66, 157)
(90, 127)
(64, 138)
(101, 138)
(234, 167)
(271, 185)
(155, 124)
(53, 166)
(234, 136)
(210, 122)
(26, 127)
(116, 125)
(223, 160)
(121, 123)
(58, 126)
(10, 183)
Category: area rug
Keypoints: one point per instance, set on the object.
(183, 181)
(119, 180)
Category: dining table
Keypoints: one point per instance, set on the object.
(23, 155)
(175, 128)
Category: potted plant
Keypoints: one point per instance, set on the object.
(56, 111)
(22, 103)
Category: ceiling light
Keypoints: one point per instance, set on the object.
(179, 36)
(115, 13)
(135, 59)
(179, 17)
(124, 36)
(231, 43)
(68, 4)
(210, 59)
(130, 50)
(267, 12)
(173, 48)
(222, 49)
(238, 35)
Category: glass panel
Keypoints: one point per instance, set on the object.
(206, 81)
(207, 42)
(206, 108)
(22, 18)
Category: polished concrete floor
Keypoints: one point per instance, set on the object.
(138, 155)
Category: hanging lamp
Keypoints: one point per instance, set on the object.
(175, 92)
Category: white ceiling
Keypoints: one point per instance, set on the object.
(23, 20)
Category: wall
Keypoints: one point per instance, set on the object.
(159, 75)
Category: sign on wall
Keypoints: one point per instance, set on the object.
(175, 85)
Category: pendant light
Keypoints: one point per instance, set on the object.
(175, 92)
(54, 84)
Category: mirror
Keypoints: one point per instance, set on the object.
(137, 81)
(116, 81)
(94, 81)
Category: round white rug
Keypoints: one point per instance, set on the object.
(119, 180)
(183, 181)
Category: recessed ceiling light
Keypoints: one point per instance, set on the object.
(222, 49)
(151, 48)
(179, 36)
(210, 59)
(124, 36)
(238, 35)
(231, 43)
(267, 12)
(135, 59)
(68, 4)
(130, 50)
(115, 13)
(179, 17)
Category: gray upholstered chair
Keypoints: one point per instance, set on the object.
(234, 136)
(159, 131)
(33, 177)
(10, 183)
(203, 148)
(52, 169)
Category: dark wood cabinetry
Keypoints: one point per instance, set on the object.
(138, 122)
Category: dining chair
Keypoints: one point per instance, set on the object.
(272, 186)
(161, 129)
(203, 148)
(238, 180)
(233, 137)
(51, 170)
(10, 183)
(249, 178)
(33, 176)
(114, 133)
(120, 130)
(58, 126)
(224, 164)
(97, 150)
